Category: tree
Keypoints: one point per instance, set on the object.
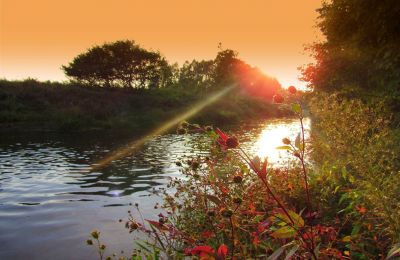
(361, 46)
(92, 67)
(121, 63)
(225, 63)
(197, 74)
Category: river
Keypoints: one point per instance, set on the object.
(50, 199)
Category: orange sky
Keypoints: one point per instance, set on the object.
(38, 36)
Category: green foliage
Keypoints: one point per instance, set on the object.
(361, 46)
(341, 203)
(32, 105)
(356, 149)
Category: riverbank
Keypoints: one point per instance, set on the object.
(64, 107)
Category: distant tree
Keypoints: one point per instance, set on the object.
(361, 49)
(225, 64)
(255, 82)
(226, 69)
(92, 67)
(197, 74)
(121, 63)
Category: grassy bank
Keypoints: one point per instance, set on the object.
(336, 198)
(48, 106)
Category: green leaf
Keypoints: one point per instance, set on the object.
(297, 141)
(296, 108)
(258, 218)
(282, 218)
(355, 230)
(342, 198)
(284, 147)
(346, 239)
(292, 252)
(394, 252)
(284, 232)
(277, 253)
(298, 221)
(344, 172)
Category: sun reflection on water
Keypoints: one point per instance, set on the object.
(271, 137)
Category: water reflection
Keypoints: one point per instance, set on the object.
(271, 137)
(50, 200)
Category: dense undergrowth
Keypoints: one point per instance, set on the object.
(336, 199)
(31, 105)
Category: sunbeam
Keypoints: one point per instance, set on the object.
(137, 143)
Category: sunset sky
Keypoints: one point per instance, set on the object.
(38, 36)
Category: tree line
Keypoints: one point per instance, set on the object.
(126, 64)
(361, 47)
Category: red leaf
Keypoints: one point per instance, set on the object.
(157, 225)
(221, 134)
(223, 251)
(200, 250)
(262, 173)
(207, 234)
(224, 189)
(361, 209)
(252, 208)
(256, 240)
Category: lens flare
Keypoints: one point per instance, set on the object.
(137, 143)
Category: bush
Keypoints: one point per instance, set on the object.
(356, 152)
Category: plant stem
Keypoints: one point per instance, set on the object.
(233, 237)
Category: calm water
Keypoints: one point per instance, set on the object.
(50, 200)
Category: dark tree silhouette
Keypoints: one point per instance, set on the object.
(197, 74)
(361, 49)
(121, 63)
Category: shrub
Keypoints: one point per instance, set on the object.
(339, 204)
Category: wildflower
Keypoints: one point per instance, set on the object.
(195, 165)
(226, 141)
(223, 251)
(260, 167)
(237, 179)
(95, 234)
(237, 200)
(278, 98)
(232, 142)
(226, 213)
(181, 131)
(89, 242)
(292, 90)
(211, 213)
(361, 209)
(185, 124)
(286, 141)
(133, 226)
(102, 247)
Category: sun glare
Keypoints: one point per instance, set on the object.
(137, 143)
(271, 137)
